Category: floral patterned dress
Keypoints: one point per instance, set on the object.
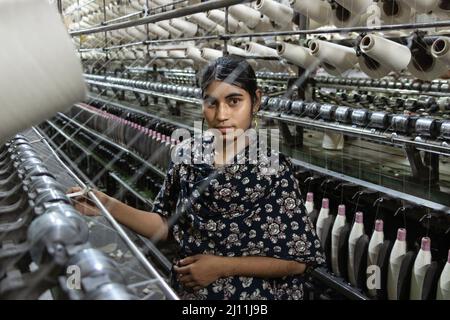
(236, 211)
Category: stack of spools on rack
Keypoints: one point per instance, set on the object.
(383, 263)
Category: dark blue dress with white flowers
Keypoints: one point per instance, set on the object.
(236, 211)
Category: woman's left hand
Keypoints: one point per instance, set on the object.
(200, 270)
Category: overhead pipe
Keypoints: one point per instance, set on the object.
(297, 55)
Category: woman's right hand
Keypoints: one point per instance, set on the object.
(86, 206)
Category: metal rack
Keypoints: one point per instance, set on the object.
(316, 124)
(367, 133)
(158, 279)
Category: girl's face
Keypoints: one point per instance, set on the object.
(228, 108)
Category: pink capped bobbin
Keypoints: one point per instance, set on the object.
(426, 244)
(325, 203)
(359, 217)
(401, 234)
(379, 225)
(341, 210)
(310, 197)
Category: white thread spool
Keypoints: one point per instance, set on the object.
(242, 53)
(40, 76)
(281, 14)
(164, 2)
(242, 28)
(136, 5)
(343, 18)
(246, 14)
(195, 54)
(236, 51)
(388, 56)
(395, 12)
(218, 16)
(210, 54)
(163, 62)
(140, 55)
(297, 55)
(264, 25)
(372, 67)
(425, 66)
(161, 33)
(355, 6)
(332, 140)
(109, 12)
(443, 8)
(219, 30)
(129, 54)
(174, 32)
(394, 55)
(202, 20)
(256, 49)
(125, 35)
(136, 34)
(318, 10)
(334, 58)
(441, 50)
(422, 6)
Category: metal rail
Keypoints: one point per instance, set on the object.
(368, 133)
(338, 284)
(390, 90)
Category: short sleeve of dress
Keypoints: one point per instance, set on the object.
(287, 231)
(166, 200)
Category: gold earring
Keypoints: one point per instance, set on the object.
(256, 123)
